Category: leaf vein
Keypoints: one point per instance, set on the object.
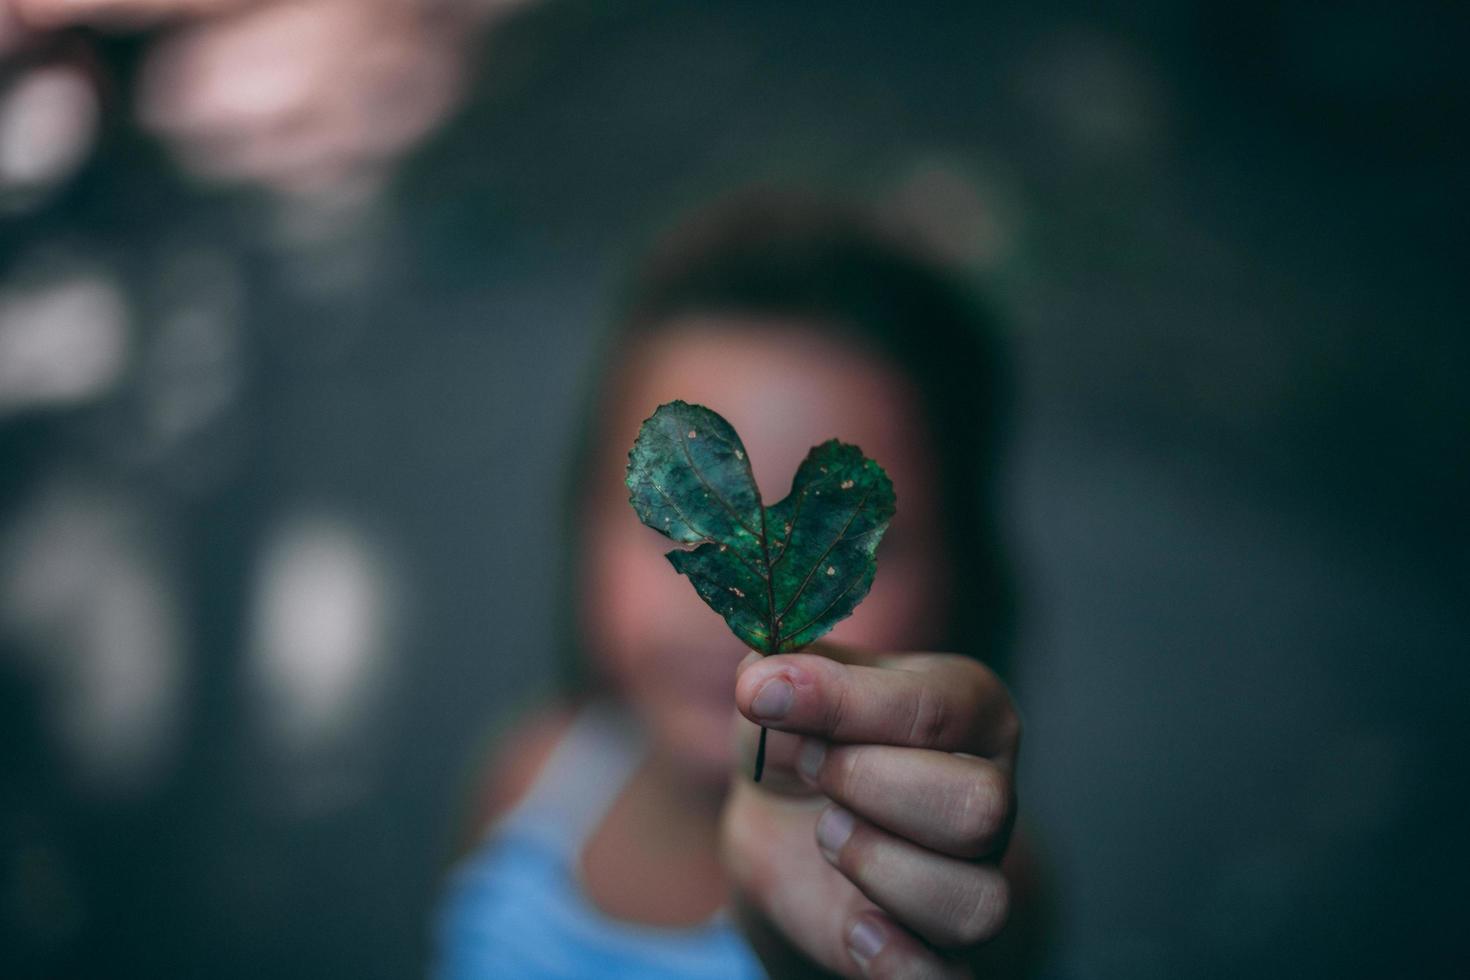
(704, 535)
(834, 543)
(817, 618)
(717, 495)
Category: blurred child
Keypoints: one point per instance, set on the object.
(623, 836)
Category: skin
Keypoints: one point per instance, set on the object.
(643, 625)
(872, 845)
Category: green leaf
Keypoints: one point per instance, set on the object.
(781, 576)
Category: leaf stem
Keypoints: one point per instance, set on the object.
(773, 638)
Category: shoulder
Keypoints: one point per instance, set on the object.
(516, 760)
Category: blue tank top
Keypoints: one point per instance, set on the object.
(515, 907)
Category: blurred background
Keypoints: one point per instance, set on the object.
(296, 299)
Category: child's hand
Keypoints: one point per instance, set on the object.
(893, 870)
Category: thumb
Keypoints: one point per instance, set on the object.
(779, 775)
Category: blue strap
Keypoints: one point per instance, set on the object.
(596, 755)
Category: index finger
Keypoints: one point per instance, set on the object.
(921, 700)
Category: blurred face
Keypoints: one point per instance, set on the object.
(785, 386)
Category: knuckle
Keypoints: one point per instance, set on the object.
(837, 707)
(928, 719)
(982, 810)
(981, 910)
(843, 771)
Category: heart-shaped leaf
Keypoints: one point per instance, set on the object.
(783, 575)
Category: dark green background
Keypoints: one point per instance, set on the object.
(1229, 240)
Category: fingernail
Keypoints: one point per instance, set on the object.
(864, 940)
(833, 829)
(809, 760)
(773, 700)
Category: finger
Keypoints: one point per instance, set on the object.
(779, 769)
(766, 844)
(921, 700)
(884, 950)
(766, 847)
(951, 903)
(956, 804)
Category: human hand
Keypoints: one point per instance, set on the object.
(873, 841)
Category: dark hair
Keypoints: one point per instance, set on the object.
(836, 268)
